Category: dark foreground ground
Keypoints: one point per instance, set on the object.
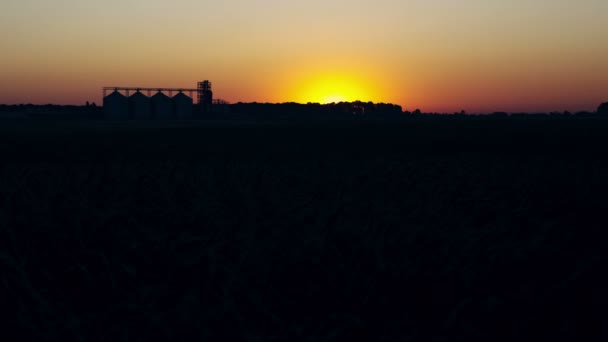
(414, 231)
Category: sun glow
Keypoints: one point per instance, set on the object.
(334, 99)
(332, 88)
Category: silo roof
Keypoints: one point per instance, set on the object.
(116, 93)
(182, 95)
(160, 95)
(138, 94)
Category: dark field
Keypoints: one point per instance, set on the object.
(421, 230)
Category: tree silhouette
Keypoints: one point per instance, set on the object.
(603, 109)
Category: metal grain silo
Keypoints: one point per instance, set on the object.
(162, 106)
(183, 106)
(139, 106)
(116, 106)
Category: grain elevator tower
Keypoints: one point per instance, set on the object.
(205, 96)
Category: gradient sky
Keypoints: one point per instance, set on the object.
(436, 55)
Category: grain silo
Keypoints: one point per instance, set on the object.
(162, 106)
(139, 106)
(183, 106)
(116, 106)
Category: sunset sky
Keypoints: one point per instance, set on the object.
(436, 55)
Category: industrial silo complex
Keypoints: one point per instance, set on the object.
(137, 103)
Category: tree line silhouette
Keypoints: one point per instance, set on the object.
(288, 110)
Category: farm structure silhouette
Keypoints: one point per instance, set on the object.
(121, 103)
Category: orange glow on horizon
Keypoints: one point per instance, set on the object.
(332, 87)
